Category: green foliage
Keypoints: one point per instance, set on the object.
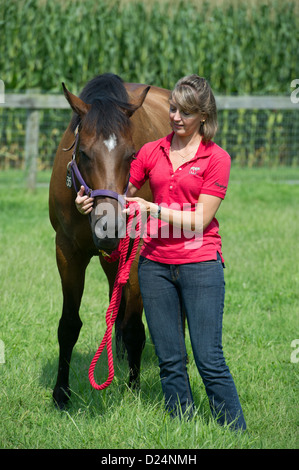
(240, 47)
(243, 49)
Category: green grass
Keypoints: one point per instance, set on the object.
(260, 232)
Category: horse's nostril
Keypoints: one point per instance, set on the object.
(108, 225)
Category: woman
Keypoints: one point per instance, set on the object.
(181, 264)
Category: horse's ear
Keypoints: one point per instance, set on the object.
(137, 99)
(77, 105)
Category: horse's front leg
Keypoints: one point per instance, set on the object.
(72, 266)
(133, 336)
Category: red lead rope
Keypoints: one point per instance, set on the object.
(120, 280)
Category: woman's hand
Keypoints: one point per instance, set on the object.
(145, 206)
(83, 203)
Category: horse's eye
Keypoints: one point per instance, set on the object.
(133, 157)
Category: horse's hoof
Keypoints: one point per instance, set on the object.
(61, 397)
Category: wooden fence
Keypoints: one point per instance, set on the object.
(35, 102)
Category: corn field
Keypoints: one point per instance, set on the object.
(240, 47)
(240, 50)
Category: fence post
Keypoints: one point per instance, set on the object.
(31, 147)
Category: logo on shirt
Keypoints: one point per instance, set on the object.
(193, 170)
(220, 185)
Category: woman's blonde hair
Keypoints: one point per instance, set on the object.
(193, 94)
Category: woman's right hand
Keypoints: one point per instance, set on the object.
(83, 203)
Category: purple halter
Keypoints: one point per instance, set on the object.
(73, 172)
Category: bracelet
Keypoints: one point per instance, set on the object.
(157, 214)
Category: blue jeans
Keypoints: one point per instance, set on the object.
(198, 290)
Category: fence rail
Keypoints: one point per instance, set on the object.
(43, 101)
(35, 103)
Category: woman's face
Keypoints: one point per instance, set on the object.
(182, 123)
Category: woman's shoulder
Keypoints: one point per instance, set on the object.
(217, 153)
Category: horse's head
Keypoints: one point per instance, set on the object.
(104, 152)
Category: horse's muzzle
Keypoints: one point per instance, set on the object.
(108, 225)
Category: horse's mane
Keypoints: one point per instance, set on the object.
(109, 99)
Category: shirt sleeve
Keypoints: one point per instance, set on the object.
(217, 175)
(138, 169)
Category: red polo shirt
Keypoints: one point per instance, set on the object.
(207, 173)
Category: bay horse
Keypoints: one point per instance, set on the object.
(111, 121)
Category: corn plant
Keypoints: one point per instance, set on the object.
(240, 47)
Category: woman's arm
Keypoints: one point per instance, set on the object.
(197, 220)
(132, 190)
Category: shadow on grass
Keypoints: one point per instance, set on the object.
(99, 402)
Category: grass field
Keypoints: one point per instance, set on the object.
(260, 232)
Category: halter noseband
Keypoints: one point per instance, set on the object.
(73, 172)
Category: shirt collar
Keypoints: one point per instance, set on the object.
(204, 149)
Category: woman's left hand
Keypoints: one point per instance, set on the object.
(145, 206)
